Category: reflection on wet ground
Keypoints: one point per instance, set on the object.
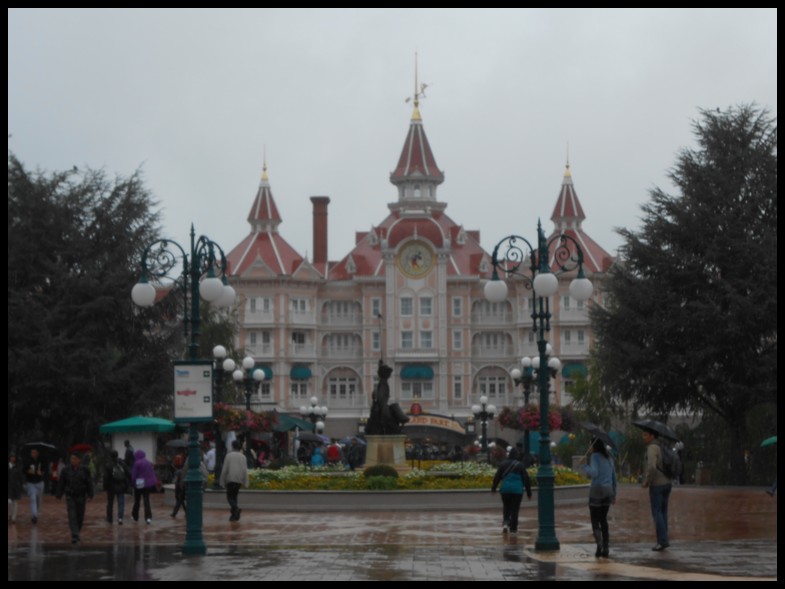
(715, 534)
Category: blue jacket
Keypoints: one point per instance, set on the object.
(601, 472)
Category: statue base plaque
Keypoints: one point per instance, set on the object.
(387, 450)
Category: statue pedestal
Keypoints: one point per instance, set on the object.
(387, 450)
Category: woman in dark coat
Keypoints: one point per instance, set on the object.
(514, 480)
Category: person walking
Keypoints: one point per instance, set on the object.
(179, 491)
(35, 470)
(514, 480)
(144, 481)
(76, 484)
(234, 474)
(602, 493)
(16, 484)
(117, 478)
(354, 454)
(659, 485)
(210, 458)
(128, 456)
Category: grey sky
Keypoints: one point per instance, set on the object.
(193, 96)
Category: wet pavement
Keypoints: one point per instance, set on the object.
(716, 534)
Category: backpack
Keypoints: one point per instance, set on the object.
(671, 463)
(119, 474)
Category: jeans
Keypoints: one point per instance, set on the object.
(110, 496)
(658, 496)
(511, 503)
(35, 491)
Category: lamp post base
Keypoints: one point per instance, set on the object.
(194, 541)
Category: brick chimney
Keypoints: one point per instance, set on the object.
(320, 228)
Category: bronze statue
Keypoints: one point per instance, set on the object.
(385, 419)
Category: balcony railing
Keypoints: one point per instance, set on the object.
(339, 319)
(481, 318)
(493, 351)
(302, 350)
(341, 351)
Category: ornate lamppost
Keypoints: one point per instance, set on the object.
(221, 367)
(484, 413)
(316, 414)
(526, 376)
(199, 271)
(251, 378)
(516, 259)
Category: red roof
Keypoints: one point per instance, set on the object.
(264, 210)
(567, 205)
(465, 258)
(568, 217)
(264, 244)
(416, 157)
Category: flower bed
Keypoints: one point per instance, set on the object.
(445, 476)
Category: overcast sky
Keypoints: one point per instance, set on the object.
(192, 97)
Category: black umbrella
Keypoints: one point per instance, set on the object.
(657, 427)
(597, 432)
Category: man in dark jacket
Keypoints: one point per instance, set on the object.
(77, 486)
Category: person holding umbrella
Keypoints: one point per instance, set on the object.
(602, 492)
(655, 480)
(35, 469)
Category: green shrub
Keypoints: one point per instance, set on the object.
(381, 483)
(380, 470)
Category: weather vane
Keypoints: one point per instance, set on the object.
(419, 89)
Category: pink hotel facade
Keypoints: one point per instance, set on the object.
(411, 289)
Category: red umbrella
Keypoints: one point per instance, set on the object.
(80, 448)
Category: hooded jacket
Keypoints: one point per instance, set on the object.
(143, 469)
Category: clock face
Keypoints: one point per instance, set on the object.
(415, 259)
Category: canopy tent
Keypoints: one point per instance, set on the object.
(287, 423)
(138, 424)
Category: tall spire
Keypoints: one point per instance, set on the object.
(264, 214)
(568, 212)
(417, 174)
(419, 90)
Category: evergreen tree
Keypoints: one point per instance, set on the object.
(79, 353)
(691, 316)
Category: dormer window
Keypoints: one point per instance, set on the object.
(417, 191)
